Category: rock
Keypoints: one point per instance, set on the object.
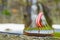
(24, 37)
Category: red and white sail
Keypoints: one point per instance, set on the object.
(40, 20)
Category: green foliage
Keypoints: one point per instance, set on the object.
(6, 12)
(0, 1)
(36, 28)
(56, 1)
(57, 34)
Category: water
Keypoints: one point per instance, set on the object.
(57, 30)
(12, 28)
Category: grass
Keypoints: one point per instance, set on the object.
(36, 28)
(57, 34)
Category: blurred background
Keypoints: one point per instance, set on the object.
(18, 11)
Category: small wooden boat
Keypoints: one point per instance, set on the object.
(41, 34)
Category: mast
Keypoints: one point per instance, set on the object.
(34, 13)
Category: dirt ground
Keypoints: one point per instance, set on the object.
(24, 37)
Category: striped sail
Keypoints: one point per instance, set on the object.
(40, 20)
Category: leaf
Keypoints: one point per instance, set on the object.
(6, 12)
